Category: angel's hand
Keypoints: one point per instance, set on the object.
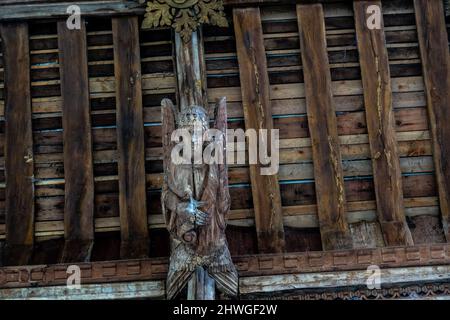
(187, 194)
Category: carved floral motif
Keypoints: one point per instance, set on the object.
(185, 16)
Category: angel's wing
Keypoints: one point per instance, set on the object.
(168, 126)
(168, 202)
(220, 123)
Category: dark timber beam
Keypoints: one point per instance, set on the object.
(258, 115)
(380, 119)
(17, 10)
(19, 160)
(433, 43)
(45, 9)
(78, 167)
(328, 176)
(130, 138)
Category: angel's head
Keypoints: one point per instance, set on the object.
(195, 120)
(193, 116)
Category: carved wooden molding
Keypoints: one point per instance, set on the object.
(431, 291)
(106, 291)
(257, 265)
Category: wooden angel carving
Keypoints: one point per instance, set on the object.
(195, 201)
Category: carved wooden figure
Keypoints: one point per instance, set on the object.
(195, 201)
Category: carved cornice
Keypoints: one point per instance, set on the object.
(422, 291)
(185, 16)
(257, 265)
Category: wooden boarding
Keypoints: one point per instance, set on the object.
(78, 164)
(18, 145)
(130, 138)
(433, 43)
(258, 115)
(287, 93)
(14, 10)
(328, 175)
(302, 216)
(380, 119)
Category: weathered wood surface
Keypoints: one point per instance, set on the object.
(32, 9)
(427, 229)
(247, 265)
(78, 163)
(201, 286)
(134, 290)
(19, 159)
(191, 73)
(338, 279)
(257, 285)
(258, 115)
(406, 92)
(435, 57)
(328, 176)
(366, 234)
(301, 216)
(280, 31)
(203, 182)
(191, 84)
(380, 119)
(130, 138)
(58, 9)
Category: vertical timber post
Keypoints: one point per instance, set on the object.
(191, 82)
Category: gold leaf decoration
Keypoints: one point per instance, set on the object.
(185, 16)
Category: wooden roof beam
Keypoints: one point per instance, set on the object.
(328, 176)
(130, 139)
(380, 119)
(258, 115)
(77, 137)
(44, 9)
(433, 44)
(19, 158)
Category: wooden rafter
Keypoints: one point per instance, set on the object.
(328, 176)
(433, 44)
(258, 115)
(380, 120)
(130, 138)
(19, 159)
(78, 164)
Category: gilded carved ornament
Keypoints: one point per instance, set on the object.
(185, 16)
